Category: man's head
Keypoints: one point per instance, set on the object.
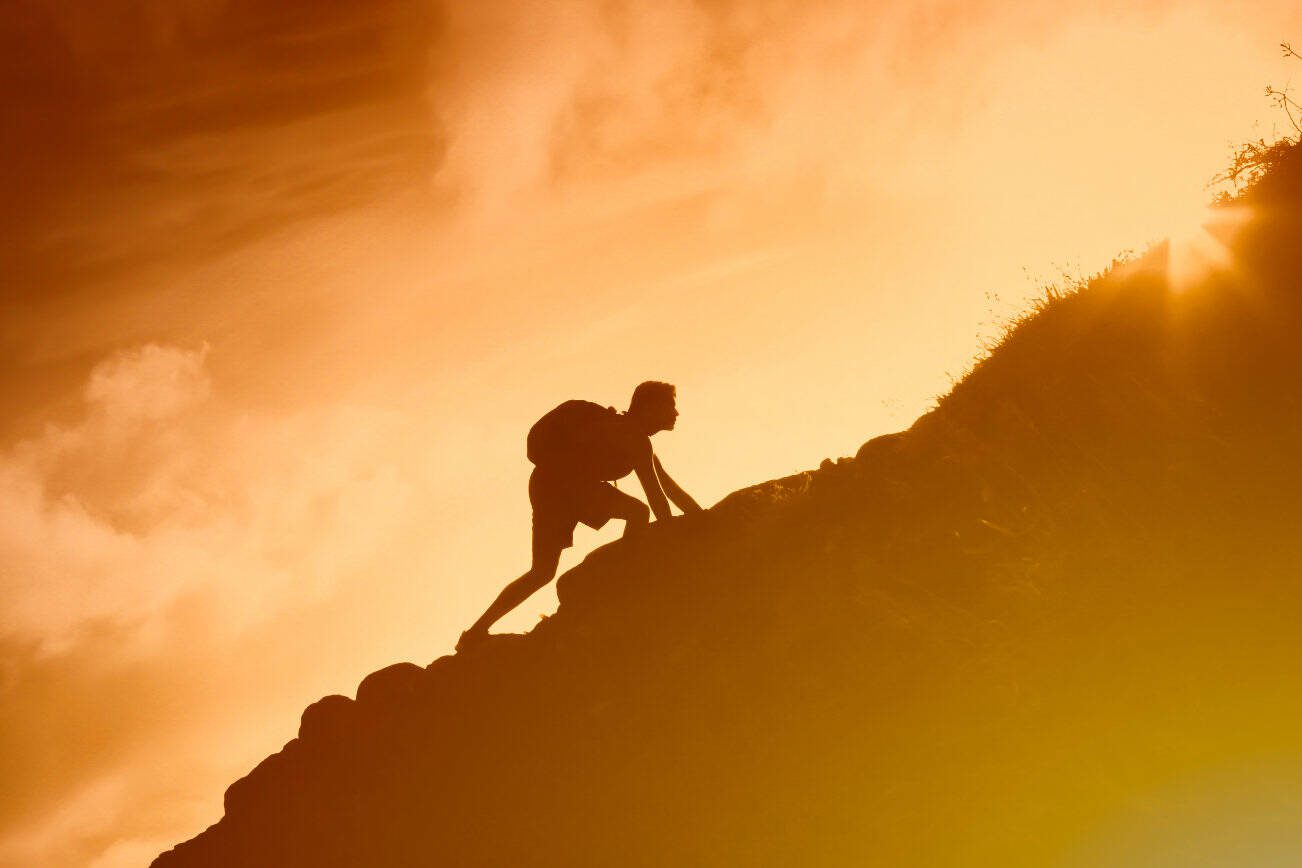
(652, 406)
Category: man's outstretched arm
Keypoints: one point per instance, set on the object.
(655, 496)
(680, 498)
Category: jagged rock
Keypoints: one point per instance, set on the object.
(264, 787)
(391, 686)
(327, 719)
(880, 451)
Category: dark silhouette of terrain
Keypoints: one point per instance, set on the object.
(977, 642)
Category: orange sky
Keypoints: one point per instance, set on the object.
(291, 281)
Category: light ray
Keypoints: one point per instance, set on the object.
(1198, 246)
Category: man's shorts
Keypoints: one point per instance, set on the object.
(560, 502)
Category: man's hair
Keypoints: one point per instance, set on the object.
(650, 392)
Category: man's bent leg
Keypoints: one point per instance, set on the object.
(546, 558)
(635, 513)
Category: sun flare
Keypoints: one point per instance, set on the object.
(1198, 244)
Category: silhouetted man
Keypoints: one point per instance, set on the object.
(579, 449)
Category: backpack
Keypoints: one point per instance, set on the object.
(582, 438)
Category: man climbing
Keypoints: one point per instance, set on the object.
(578, 449)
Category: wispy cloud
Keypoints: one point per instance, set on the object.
(148, 132)
(158, 492)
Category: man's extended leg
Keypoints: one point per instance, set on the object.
(546, 558)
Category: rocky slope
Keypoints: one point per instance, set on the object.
(1069, 589)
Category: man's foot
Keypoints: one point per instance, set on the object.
(470, 639)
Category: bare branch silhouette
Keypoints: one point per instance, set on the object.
(1251, 160)
(1287, 103)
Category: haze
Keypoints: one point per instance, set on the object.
(287, 284)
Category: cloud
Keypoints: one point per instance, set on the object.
(159, 492)
(539, 100)
(148, 384)
(534, 94)
(121, 815)
(230, 123)
(158, 132)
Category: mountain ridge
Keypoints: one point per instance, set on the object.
(982, 640)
